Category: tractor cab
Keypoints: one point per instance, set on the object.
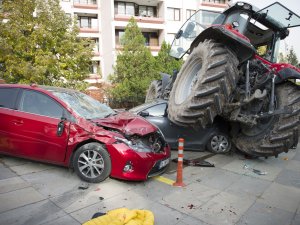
(242, 27)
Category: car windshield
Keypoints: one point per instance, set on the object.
(84, 105)
(280, 15)
(190, 30)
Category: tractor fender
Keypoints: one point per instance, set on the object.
(287, 73)
(165, 78)
(232, 39)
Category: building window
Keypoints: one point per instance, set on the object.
(132, 9)
(151, 38)
(149, 11)
(189, 13)
(173, 14)
(95, 67)
(119, 35)
(209, 16)
(124, 8)
(85, 2)
(95, 45)
(87, 22)
(216, 1)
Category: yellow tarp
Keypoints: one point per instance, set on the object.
(124, 216)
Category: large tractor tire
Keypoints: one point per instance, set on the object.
(276, 134)
(203, 85)
(154, 91)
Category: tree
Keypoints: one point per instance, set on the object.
(135, 66)
(282, 58)
(39, 44)
(292, 57)
(164, 62)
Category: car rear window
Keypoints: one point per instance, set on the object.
(8, 97)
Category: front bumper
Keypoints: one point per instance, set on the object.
(144, 164)
(158, 169)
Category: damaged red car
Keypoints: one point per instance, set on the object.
(69, 128)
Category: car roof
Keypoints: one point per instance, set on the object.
(43, 87)
(148, 104)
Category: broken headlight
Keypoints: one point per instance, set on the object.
(135, 145)
(153, 142)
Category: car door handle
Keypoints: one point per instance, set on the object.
(18, 122)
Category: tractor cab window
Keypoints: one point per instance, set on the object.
(238, 21)
(265, 40)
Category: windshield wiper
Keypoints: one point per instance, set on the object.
(110, 114)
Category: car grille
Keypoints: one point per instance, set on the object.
(155, 171)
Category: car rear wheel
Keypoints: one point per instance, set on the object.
(219, 143)
(92, 163)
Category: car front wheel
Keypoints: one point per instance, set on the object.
(92, 163)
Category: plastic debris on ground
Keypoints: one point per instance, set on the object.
(194, 162)
(259, 172)
(83, 186)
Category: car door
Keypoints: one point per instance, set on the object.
(8, 97)
(172, 132)
(36, 127)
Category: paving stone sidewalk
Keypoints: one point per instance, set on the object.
(35, 193)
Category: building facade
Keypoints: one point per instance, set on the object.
(104, 21)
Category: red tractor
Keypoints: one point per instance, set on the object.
(231, 72)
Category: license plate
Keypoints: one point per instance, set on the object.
(164, 163)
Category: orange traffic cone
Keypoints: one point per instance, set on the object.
(179, 182)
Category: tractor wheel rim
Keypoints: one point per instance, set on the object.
(91, 163)
(188, 82)
(152, 93)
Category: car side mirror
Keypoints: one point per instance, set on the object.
(60, 128)
(144, 113)
(61, 124)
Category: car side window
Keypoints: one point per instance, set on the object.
(157, 110)
(8, 97)
(38, 103)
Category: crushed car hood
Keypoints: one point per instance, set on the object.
(127, 123)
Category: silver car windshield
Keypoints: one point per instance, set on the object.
(84, 105)
(190, 30)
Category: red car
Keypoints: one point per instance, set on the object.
(69, 128)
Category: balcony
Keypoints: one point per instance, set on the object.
(85, 4)
(151, 40)
(142, 13)
(141, 19)
(88, 23)
(215, 3)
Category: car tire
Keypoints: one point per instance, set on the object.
(154, 91)
(204, 85)
(219, 143)
(92, 162)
